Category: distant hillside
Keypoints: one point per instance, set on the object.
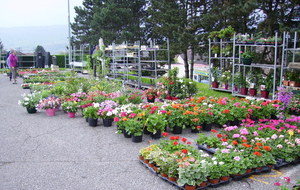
(53, 38)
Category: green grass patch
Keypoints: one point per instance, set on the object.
(205, 91)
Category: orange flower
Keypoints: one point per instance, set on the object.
(141, 114)
(257, 153)
(195, 120)
(256, 148)
(196, 108)
(213, 100)
(124, 119)
(267, 148)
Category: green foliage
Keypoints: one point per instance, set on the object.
(60, 60)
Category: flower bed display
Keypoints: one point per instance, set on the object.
(241, 152)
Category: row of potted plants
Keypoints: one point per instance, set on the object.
(240, 152)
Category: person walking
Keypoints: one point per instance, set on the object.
(13, 60)
(8, 65)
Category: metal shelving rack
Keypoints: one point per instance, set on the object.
(130, 61)
(221, 60)
(295, 41)
(274, 66)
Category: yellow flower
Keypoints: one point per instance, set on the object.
(291, 132)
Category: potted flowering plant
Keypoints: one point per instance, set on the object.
(217, 170)
(150, 94)
(30, 102)
(156, 123)
(134, 127)
(192, 172)
(70, 107)
(247, 57)
(49, 104)
(225, 78)
(91, 113)
(107, 112)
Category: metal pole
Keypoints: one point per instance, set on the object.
(69, 26)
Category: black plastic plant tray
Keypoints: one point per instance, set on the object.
(220, 183)
(204, 147)
(264, 169)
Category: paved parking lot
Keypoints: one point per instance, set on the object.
(60, 153)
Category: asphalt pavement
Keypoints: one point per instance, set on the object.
(38, 152)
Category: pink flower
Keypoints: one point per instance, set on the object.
(287, 179)
(123, 114)
(116, 119)
(236, 136)
(244, 131)
(255, 133)
(277, 184)
(237, 158)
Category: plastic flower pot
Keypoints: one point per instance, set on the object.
(252, 92)
(177, 130)
(93, 122)
(71, 114)
(50, 112)
(126, 134)
(247, 61)
(107, 122)
(31, 110)
(244, 91)
(265, 94)
(156, 135)
(137, 139)
(215, 84)
(226, 86)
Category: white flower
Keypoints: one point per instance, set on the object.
(215, 162)
(221, 163)
(96, 105)
(213, 158)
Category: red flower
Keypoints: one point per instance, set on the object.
(235, 142)
(224, 140)
(188, 142)
(165, 134)
(177, 137)
(183, 139)
(175, 143)
(172, 138)
(226, 111)
(244, 140)
(267, 148)
(256, 148)
(199, 127)
(184, 151)
(258, 144)
(257, 153)
(214, 131)
(219, 135)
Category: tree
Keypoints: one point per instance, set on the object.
(112, 20)
(1, 45)
(40, 49)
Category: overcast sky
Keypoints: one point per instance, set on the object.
(36, 12)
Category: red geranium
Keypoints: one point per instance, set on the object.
(175, 143)
(267, 148)
(185, 151)
(183, 139)
(214, 131)
(257, 153)
(219, 135)
(165, 134)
